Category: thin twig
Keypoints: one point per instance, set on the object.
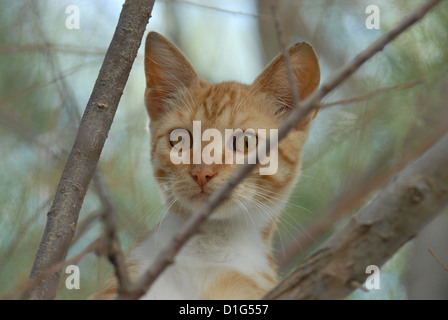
(66, 73)
(23, 228)
(358, 285)
(85, 224)
(437, 258)
(113, 249)
(372, 94)
(166, 257)
(281, 40)
(203, 6)
(65, 91)
(14, 48)
(94, 246)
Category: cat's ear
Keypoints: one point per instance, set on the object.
(306, 71)
(167, 71)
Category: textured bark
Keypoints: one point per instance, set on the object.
(415, 196)
(92, 133)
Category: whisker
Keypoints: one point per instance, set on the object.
(244, 208)
(164, 214)
(272, 213)
(270, 198)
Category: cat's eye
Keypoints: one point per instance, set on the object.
(244, 142)
(180, 138)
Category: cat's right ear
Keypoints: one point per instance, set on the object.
(305, 70)
(167, 71)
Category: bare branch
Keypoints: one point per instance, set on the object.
(92, 133)
(203, 6)
(352, 198)
(281, 40)
(38, 47)
(112, 243)
(166, 257)
(23, 228)
(437, 258)
(414, 197)
(85, 224)
(372, 94)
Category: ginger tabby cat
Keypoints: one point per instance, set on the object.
(232, 257)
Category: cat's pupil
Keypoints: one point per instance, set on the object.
(239, 145)
(178, 137)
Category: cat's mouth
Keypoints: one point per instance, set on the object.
(200, 196)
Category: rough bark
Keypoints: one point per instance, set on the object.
(92, 133)
(415, 196)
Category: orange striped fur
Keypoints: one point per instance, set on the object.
(232, 257)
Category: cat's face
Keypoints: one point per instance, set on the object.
(178, 100)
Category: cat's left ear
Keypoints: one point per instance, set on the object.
(306, 71)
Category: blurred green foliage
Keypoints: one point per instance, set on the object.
(48, 71)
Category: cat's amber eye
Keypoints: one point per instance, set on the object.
(180, 138)
(244, 142)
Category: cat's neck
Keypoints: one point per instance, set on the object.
(249, 230)
(244, 219)
(239, 244)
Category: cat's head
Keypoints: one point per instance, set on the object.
(176, 98)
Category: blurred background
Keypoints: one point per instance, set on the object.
(47, 72)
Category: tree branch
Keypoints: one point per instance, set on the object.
(415, 196)
(281, 41)
(437, 258)
(203, 6)
(112, 244)
(166, 257)
(92, 134)
(375, 93)
(352, 198)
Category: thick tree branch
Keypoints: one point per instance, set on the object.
(352, 198)
(166, 257)
(415, 196)
(92, 134)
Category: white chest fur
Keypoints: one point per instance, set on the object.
(236, 244)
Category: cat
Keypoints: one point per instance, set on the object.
(231, 258)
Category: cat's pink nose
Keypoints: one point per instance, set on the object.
(202, 175)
